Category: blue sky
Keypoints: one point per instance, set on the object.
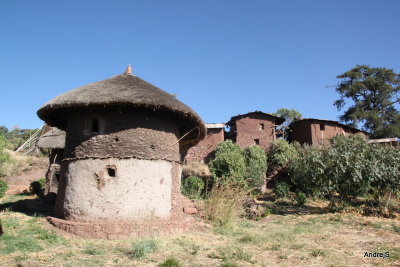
(222, 58)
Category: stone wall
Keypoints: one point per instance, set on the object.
(127, 229)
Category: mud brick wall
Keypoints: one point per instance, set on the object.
(255, 129)
(313, 133)
(206, 146)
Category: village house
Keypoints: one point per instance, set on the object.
(52, 142)
(316, 131)
(205, 148)
(121, 168)
(253, 128)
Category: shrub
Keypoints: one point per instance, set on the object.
(5, 159)
(346, 166)
(229, 264)
(37, 187)
(307, 171)
(193, 187)
(141, 249)
(281, 154)
(223, 205)
(267, 212)
(383, 169)
(171, 262)
(3, 188)
(300, 198)
(350, 167)
(281, 190)
(256, 165)
(228, 166)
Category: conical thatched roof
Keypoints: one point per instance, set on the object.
(125, 90)
(53, 139)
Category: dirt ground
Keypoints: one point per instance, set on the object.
(26, 170)
(297, 236)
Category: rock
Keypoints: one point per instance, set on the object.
(190, 210)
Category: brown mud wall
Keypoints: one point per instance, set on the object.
(313, 133)
(249, 129)
(205, 147)
(128, 135)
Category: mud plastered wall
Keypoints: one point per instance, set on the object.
(127, 189)
(118, 166)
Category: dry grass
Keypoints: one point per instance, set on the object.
(278, 240)
(222, 206)
(18, 163)
(196, 169)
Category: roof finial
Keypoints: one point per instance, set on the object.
(128, 69)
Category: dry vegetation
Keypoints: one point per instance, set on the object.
(20, 163)
(290, 236)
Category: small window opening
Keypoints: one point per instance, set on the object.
(111, 172)
(257, 141)
(322, 127)
(58, 177)
(261, 126)
(116, 139)
(95, 126)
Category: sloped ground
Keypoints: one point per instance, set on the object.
(303, 237)
(25, 170)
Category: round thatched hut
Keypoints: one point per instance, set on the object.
(120, 174)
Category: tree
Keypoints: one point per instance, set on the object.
(289, 115)
(375, 96)
(3, 130)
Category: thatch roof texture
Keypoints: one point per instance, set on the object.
(124, 90)
(53, 139)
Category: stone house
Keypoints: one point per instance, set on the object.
(253, 128)
(316, 131)
(205, 148)
(121, 168)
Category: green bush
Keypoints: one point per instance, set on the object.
(3, 188)
(346, 166)
(300, 198)
(193, 187)
(281, 190)
(228, 165)
(38, 186)
(351, 167)
(383, 169)
(171, 262)
(141, 249)
(307, 171)
(256, 165)
(281, 154)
